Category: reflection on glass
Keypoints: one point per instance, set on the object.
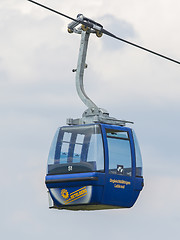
(139, 172)
(119, 152)
(67, 137)
(79, 147)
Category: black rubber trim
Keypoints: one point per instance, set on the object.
(71, 180)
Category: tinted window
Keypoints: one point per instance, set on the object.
(138, 156)
(76, 149)
(119, 152)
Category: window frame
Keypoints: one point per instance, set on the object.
(105, 126)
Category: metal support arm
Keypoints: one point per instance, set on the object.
(93, 114)
(80, 71)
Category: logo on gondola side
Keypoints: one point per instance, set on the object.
(64, 193)
(70, 197)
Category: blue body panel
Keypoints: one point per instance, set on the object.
(96, 190)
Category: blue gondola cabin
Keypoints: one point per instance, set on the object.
(95, 166)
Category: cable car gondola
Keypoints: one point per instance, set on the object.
(95, 161)
(94, 166)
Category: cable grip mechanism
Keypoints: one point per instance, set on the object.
(89, 26)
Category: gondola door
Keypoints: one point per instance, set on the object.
(119, 157)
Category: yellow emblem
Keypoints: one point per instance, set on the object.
(64, 193)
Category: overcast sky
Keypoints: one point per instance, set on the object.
(37, 94)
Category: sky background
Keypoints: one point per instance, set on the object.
(37, 94)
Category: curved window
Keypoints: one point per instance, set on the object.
(139, 172)
(53, 148)
(119, 152)
(76, 149)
